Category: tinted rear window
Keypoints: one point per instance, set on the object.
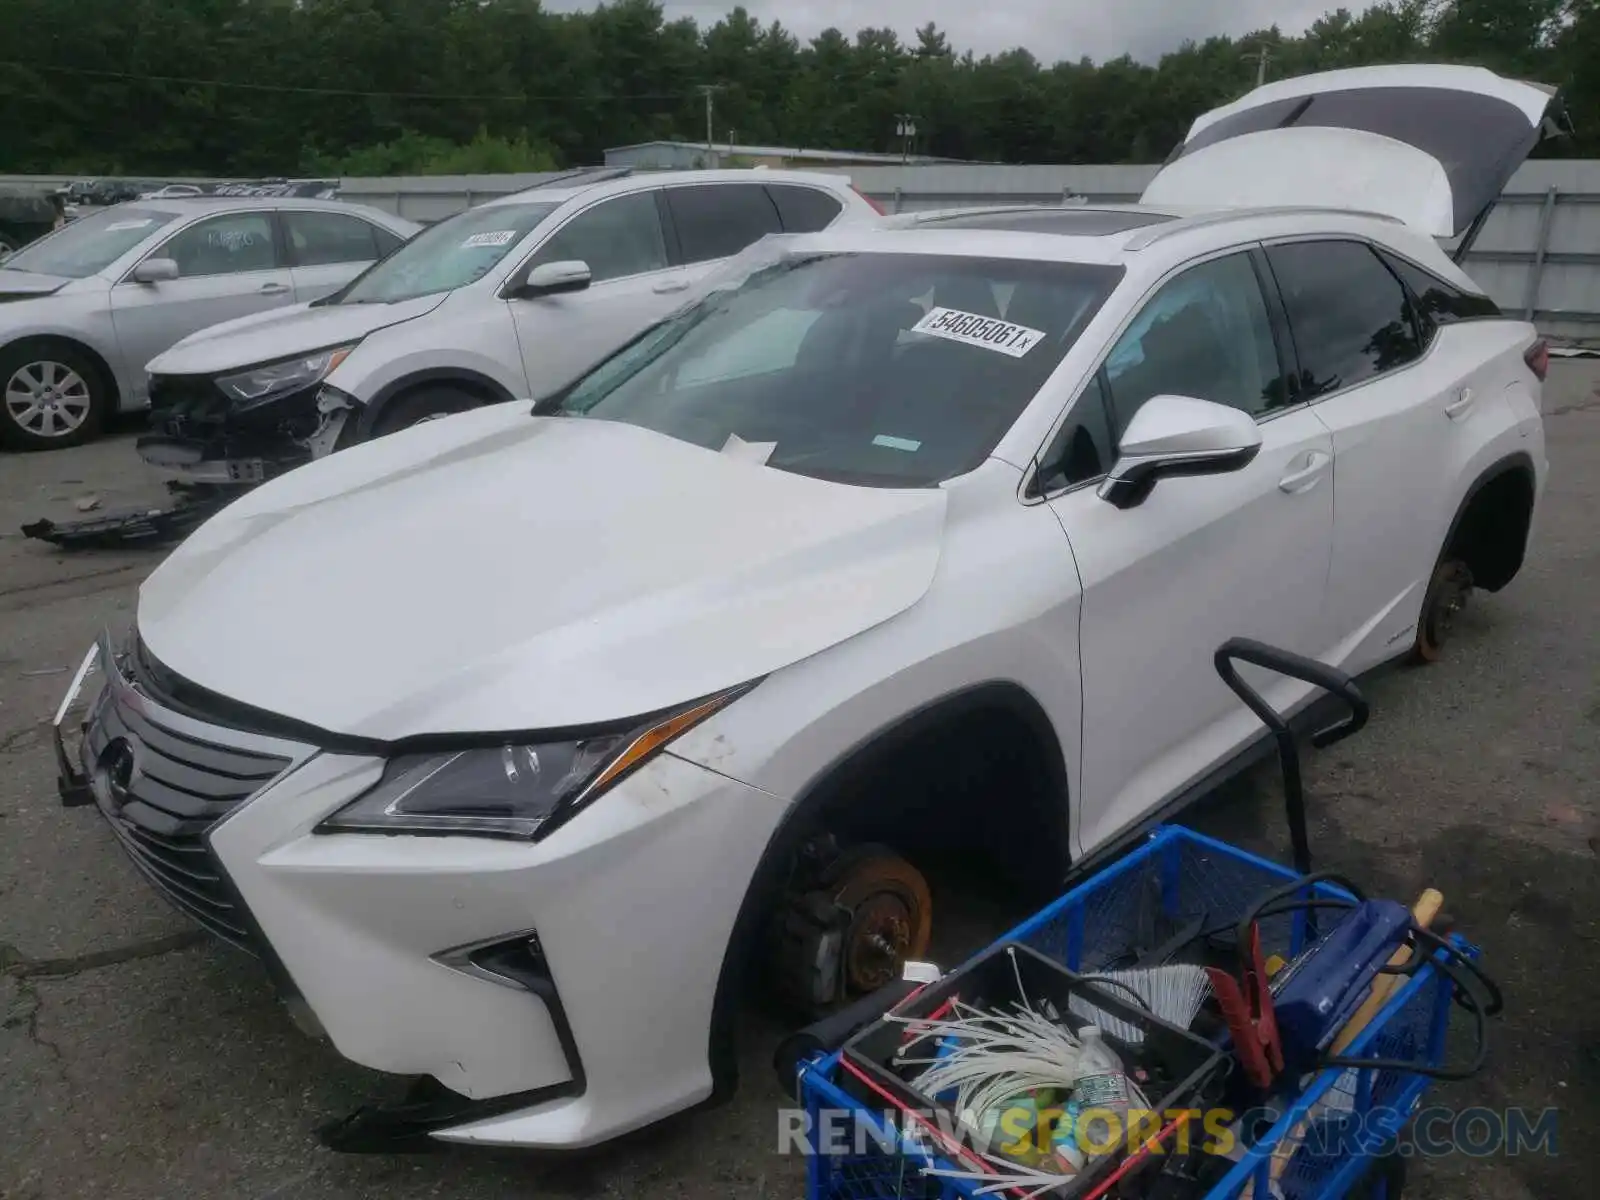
(803, 209)
(715, 220)
(1440, 303)
(881, 369)
(1350, 318)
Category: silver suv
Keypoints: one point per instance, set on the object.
(503, 301)
(83, 309)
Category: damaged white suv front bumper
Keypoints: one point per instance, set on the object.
(530, 979)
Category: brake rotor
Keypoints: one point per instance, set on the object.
(891, 915)
(1447, 598)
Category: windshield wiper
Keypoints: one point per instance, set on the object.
(554, 404)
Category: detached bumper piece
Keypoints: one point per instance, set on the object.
(219, 453)
(193, 505)
(407, 1125)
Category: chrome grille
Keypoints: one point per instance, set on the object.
(162, 779)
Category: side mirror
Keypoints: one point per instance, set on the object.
(1179, 435)
(156, 270)
(551, 279)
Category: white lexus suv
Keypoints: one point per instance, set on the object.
(512, 742)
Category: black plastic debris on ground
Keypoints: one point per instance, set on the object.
(194, 504)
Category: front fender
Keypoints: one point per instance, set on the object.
(478, 344)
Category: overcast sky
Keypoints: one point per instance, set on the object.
(1051, 29)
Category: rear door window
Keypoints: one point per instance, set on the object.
(1350, 318)
(803, 209)
(715, 220)
(322, 238)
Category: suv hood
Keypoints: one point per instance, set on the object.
(496, 572)
(1432, 146)
(24, 285)
(283, 333)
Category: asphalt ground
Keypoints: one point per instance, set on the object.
(139, 1060)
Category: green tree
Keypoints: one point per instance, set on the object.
(253, 87)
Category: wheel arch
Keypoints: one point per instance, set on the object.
(466, 378)
(1048, 829)
(1489, 536)
(108, 377)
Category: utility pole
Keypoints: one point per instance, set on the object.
(1262, 56)
(906, 127)
(708, 90)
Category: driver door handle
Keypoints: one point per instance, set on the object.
(1314, 464)
(1461, 405)
(274, 289)
(671, 285)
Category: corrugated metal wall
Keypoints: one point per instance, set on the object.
(1538, 255)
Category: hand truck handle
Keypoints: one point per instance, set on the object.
(834, 1030)
(1295, 666)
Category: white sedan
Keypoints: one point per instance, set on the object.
(84, 308)
(513, 741)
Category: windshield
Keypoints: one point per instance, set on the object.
(889, 370)
(89, 244)
(448, 255)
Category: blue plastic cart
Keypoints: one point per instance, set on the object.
(1355, 1114)
(1342, 1128)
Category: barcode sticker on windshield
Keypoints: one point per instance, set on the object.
(494, 237)
(991, 333)
(119, 226)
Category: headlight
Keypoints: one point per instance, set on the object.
(261, 384)
(521, 790)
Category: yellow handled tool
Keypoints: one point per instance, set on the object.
(1423, 914)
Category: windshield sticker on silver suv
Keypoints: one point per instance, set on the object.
(122, 226)
(896, 443)
(492, 237)
(973, 329)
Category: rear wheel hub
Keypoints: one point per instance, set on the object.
(1447, 597)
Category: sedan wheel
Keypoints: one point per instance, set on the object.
(47, 400)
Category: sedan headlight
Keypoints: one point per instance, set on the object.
(262, 384)
(521, 790)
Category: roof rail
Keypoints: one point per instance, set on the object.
(928, 216)
(575, 176)
(1152, 234)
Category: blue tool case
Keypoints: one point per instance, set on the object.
(1331, 1133)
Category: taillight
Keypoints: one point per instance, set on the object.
(876, 207)
(1538, 358)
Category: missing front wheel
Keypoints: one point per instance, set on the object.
(847, 924)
